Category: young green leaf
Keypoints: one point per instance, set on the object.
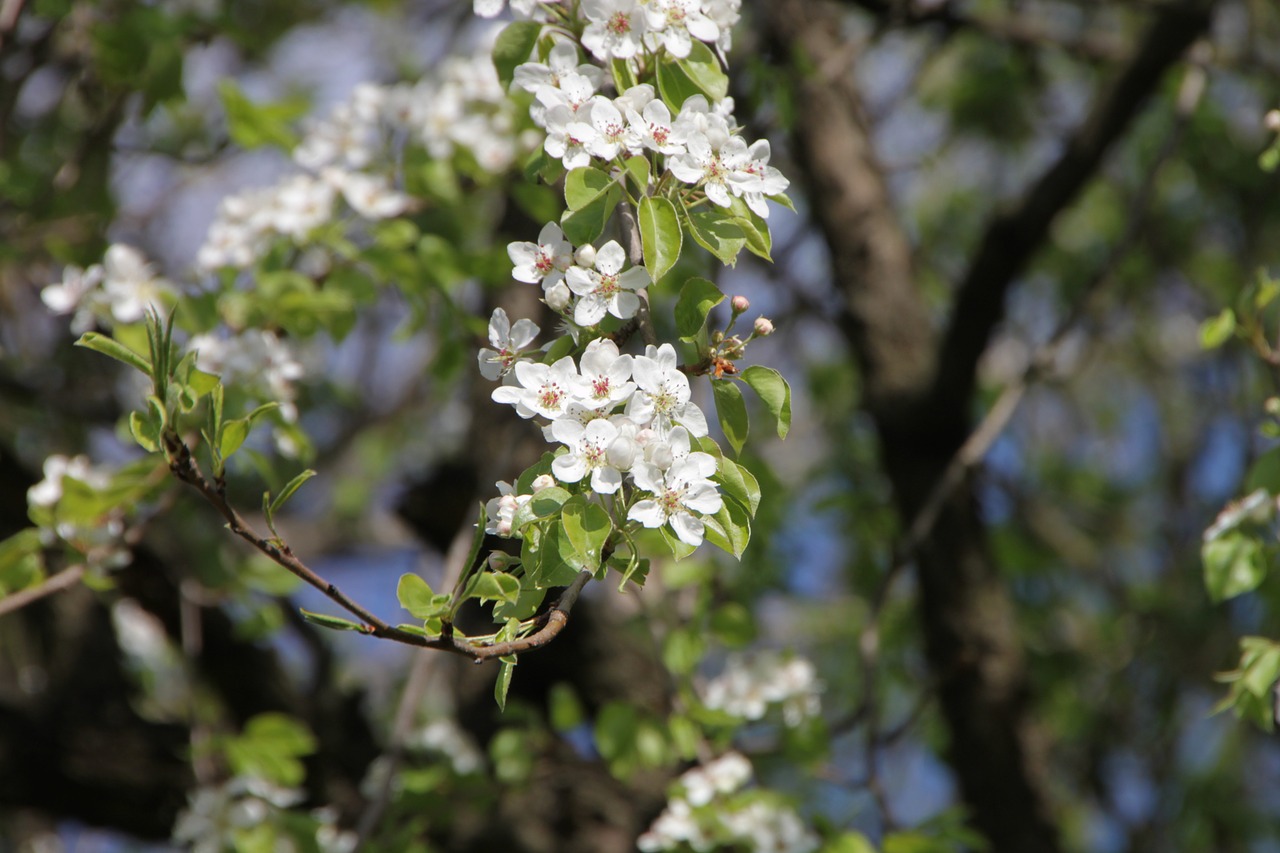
(660, 235)
(739, 483)
(113, 348)
(585, 185)
(513, 47)
(774, 392)
(717, 233)
(1233, 565)
(732, 412)
(496, 586)
(289, 488)
(697, 298)
(503, 684)
(335, 623)
(587, 526)
(416, 596)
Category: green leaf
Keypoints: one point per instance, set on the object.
(585, 185)
(416, 596)
(586, 224)
(1265, 473)
(699, 73)
(1216, 331)
(754, 228)
(513, 47)
(697, 298)
(682, 649)
(739, 483)
(730, 528)
(289, 488)
(679, 548)
(717, 233)
(732, 412)
(335, 623)
(270, 747)
(547, 502)
(587, 526)
(1234, 564)
(21, 564)
(660, 235)
(774, 392)
(503, 684)
(565, 710)
(638, 169)
(848, 842)
(146, 429)
(110, 347)
(496, 586)
(254, 125)
(234, 432)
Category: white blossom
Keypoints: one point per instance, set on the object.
(606, 375)
(662, 396)
(588, 453)
(540, 389)
(674, 24)
(681, 494)
(614, 29)
(605, 289)
(543, 262)
(509, 343)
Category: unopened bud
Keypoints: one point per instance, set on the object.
(558, 296)
(740, 304)
(1272, 121)
(500, 561)
(543, 481)
(764, 326)
(585, 256)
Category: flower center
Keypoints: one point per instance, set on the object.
(619, 24)
(669, 500)
(600, 388)
(550, 396)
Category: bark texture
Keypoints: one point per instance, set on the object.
(919, 382)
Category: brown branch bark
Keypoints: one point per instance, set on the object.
(1016, 233)
(919, 391)
(184, 467)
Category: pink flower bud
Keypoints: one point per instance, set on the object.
(764, 326)
(543, 481)
(585, 256)
(500, 561)
(740, 304)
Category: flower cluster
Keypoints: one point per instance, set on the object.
(750, 684)
(591, 282)
(703, 816)
(615, 415)
(621, 29)
(119, 290)
(463, 106)
(218, 817)
(256, 359)
(701, 145)
(101, 540)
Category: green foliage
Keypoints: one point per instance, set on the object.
(270, 748)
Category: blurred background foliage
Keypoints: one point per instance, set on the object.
(126, 122)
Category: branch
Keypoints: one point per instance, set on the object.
(184, 467)
(55, 583)
(1018, 232)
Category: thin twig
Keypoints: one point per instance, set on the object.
(56, 583)
(183, 465)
